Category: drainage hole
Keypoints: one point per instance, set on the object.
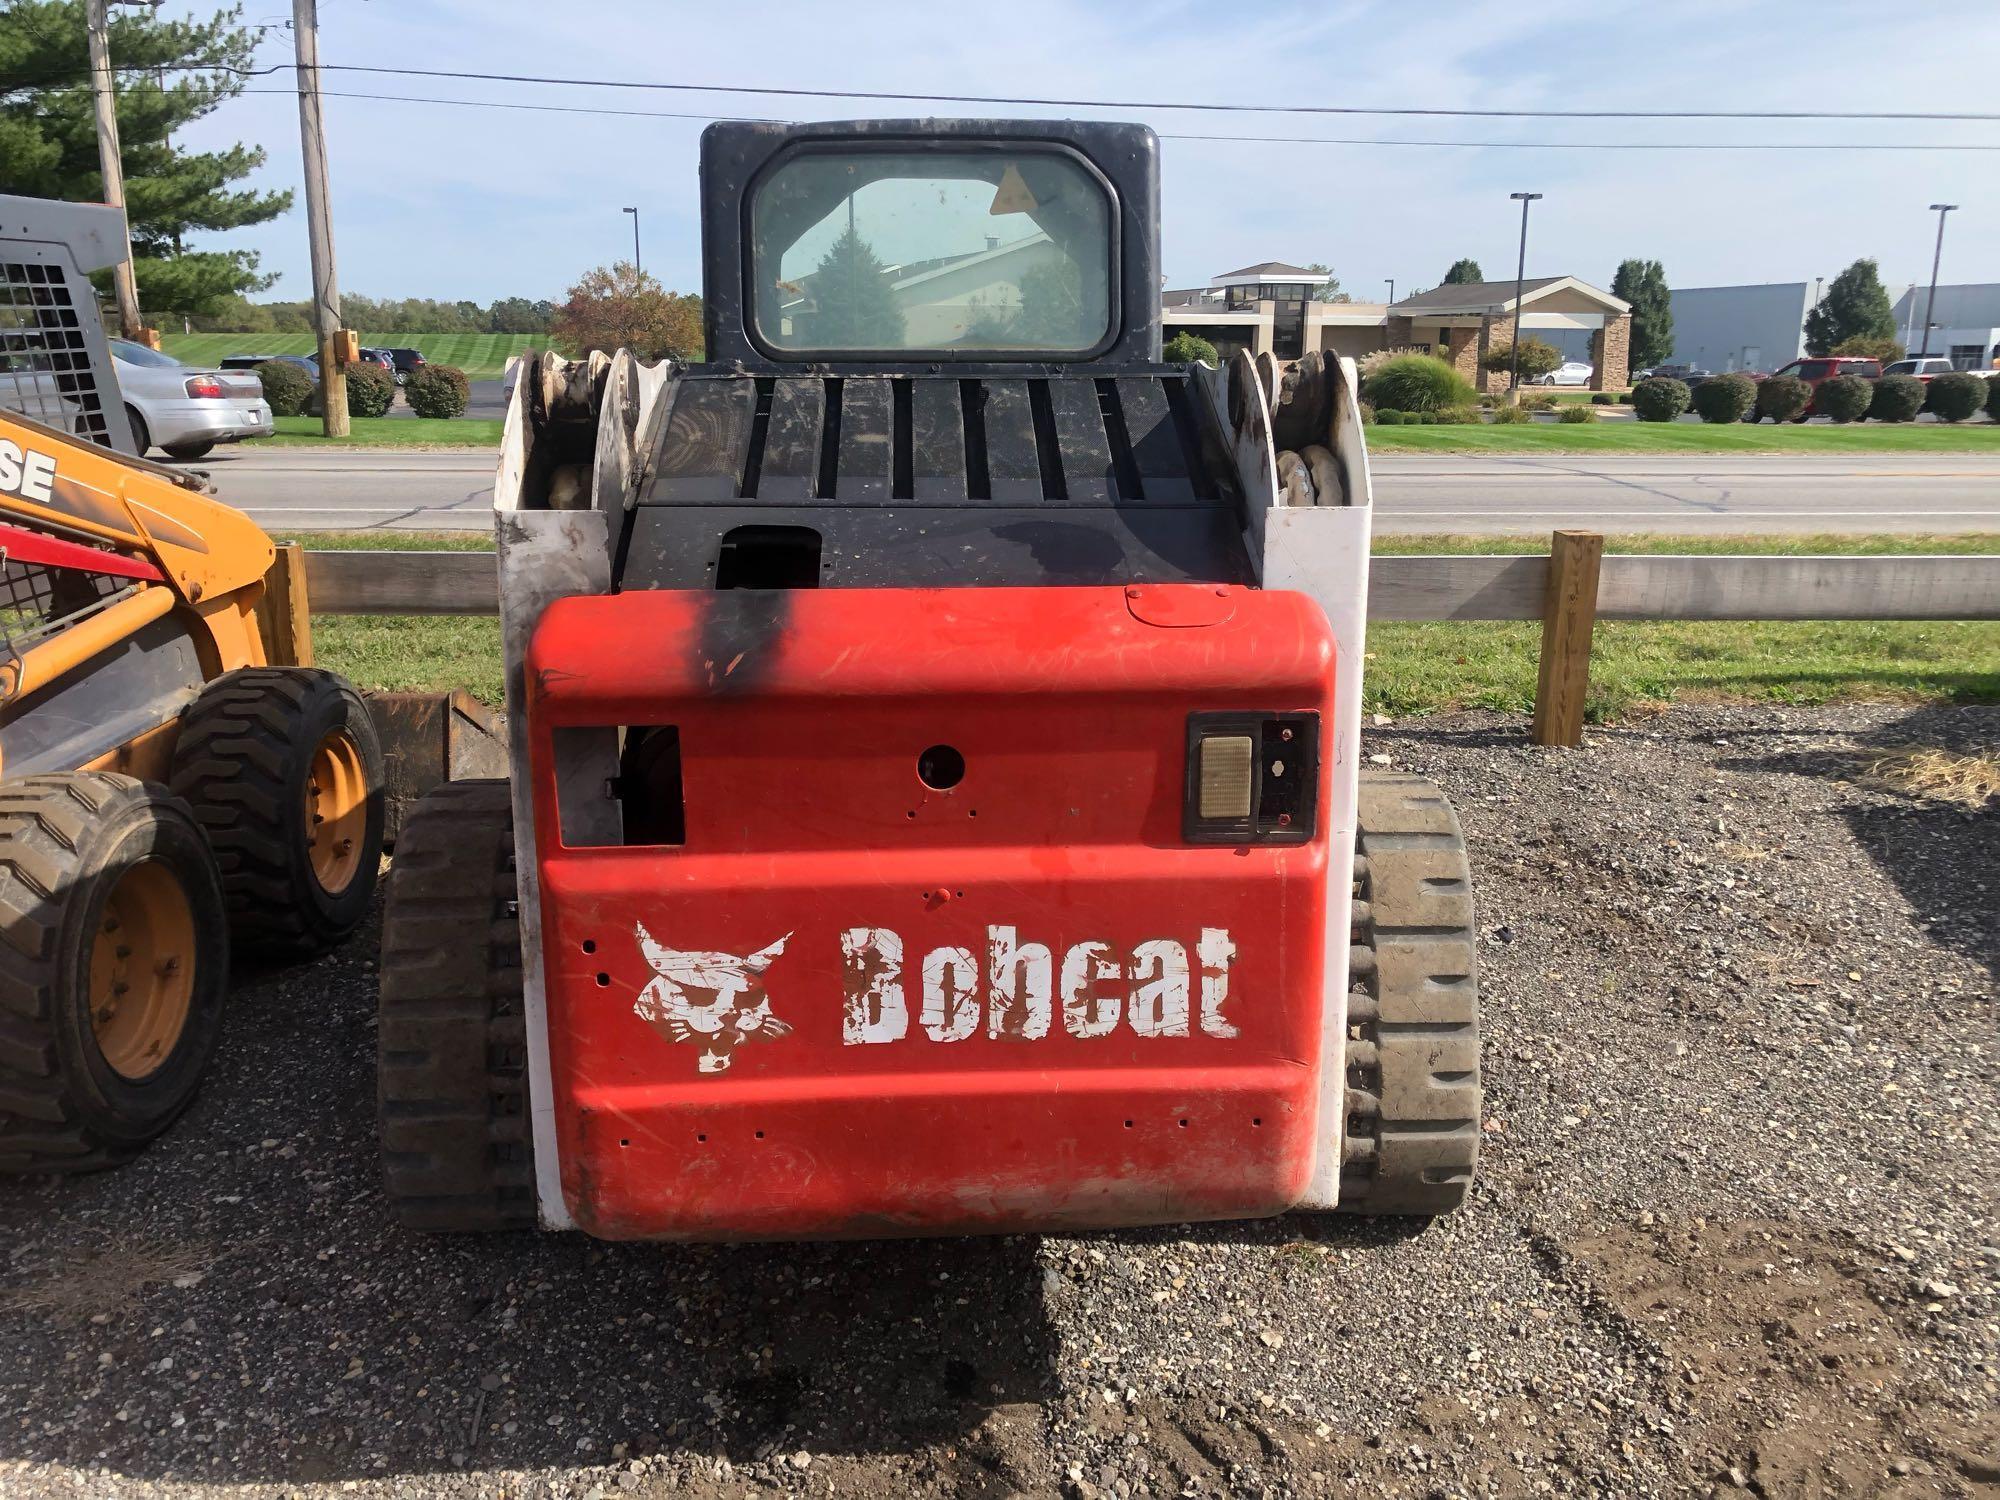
(941, 768)
(604, 979)
(590, 945)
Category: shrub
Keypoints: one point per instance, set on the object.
(287, 388)
(1536, 401)
(1369, 363)
(1416, 382)
(1511, 416)
(433, 392)
(1388, 416)
(1845, 398)
(1725, 398)
(1783, 397)
(1184, 348)
(1993, 397)
(1896, 398)
(1538, 357)
(371, 391)
(1576, 412)
(1456, 416)
(1869, 346)
(1603, 398)
(1659, 399)
(1956, 396)
(1421, 418)
(1367, 414)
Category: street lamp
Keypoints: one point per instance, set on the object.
(1392, 287)
(1520, 276)
(637, 269)
(1930, 303)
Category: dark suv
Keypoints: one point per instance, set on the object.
(406, 360)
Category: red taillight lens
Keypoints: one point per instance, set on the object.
(205, 387)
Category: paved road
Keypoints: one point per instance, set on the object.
(304, 488)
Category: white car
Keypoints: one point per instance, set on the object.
(1569, 372)
(183, 409)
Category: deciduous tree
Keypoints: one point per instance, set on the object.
(621, 307)
(1855, 303)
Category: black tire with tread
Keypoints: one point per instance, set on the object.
(188, 451)
(241, 761)
(142, 437)
(64, 841)
(457, 1153)
(1411, 1143)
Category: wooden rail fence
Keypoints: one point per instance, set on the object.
(1569, 590)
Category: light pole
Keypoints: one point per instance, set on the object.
(1520, 276)
(1392, 288)
(637, 269)
(1937, 255)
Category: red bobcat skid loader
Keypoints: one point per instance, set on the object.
(935, 723)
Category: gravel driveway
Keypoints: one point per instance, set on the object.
(1735, 1233)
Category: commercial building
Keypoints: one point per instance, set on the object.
(1269, 307)
(1761, 327)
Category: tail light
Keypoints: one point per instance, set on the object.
(204, 387)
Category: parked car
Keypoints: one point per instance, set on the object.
(307, 362)
(382, 357)
(1924, 368)
(406, 360)
(1569, 372)
(1817, 372)
(1682, 373)
(186, 409)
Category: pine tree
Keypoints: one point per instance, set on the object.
(1643, 283)
(48, 139)
(853, 307)
(1855, 304)
(1463, 270)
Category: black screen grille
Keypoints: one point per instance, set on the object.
(45, 367)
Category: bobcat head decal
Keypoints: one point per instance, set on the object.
(714, 999)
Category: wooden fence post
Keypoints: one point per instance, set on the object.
(1569, 611)
(283, 613)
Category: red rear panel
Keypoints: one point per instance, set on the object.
(852, 1003)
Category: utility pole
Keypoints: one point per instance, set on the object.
(319, 224)
(1520, 278)
(1930, 303)
(638, 270)
(122, 280)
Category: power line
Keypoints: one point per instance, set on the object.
(775, 91)
(1284, 140)
(1280, 109)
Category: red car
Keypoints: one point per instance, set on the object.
(1816, 372)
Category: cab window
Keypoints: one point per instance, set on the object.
(955, 253)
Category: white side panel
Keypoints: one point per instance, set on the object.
(1322, 550)
(544, 555)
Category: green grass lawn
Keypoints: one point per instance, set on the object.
(1688, 437)
(1413, 668)
(386, 432)
(483, 356)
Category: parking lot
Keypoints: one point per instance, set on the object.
(1735, 1231)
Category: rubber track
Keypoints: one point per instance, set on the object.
(1412, 1138)
(230, 766)
(42, 823)
(453, 1087)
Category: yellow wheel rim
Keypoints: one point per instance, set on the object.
(336, 811)
(142, 977)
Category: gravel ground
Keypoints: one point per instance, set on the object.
(1735, 1231)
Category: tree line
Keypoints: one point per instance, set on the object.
(372, 315)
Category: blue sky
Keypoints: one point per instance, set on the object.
(439, 201)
